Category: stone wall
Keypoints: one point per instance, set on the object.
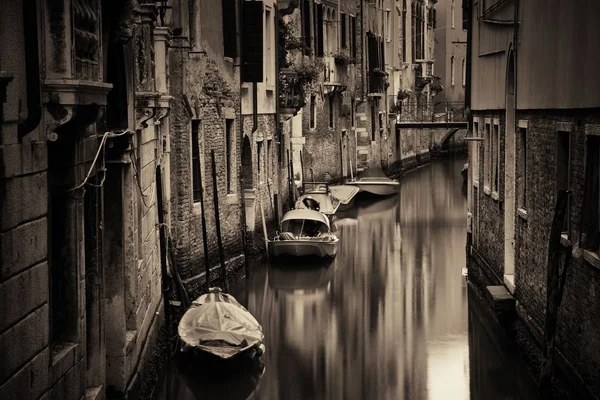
(578, 327)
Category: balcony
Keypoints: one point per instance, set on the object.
(377, 82)
(291, 93)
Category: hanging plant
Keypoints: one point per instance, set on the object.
(343, 60)
(402, 94)
(379, 72)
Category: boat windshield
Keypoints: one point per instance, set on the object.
(304, 227)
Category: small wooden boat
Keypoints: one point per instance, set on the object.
(346, 195)
(216, 324)
(317, 196)
(375, 182)
(304, 233)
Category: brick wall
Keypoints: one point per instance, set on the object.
(579, 319)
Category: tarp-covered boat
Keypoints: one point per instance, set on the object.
(317, 196)
(217, 324)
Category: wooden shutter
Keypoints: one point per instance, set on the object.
(252, 49)
(589, 216)
(229, 28)
(306, 32)
(343, 28)
(319, 30)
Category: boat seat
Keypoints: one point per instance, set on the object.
(286, 236)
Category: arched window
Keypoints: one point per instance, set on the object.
(452, 70)
(452, 12)
(464, 72)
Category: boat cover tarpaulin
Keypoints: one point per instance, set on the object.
(345, 193)
(218, 324)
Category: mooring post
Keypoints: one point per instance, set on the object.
(243, 223)
(218, 221)
(204, 234)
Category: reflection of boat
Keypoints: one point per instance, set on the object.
(217, 324)
(346, 194)
(187, 379)
(304, 233)
(376, 207)
(465, 171)
(374, 181)
(317, 196)
(307, 278)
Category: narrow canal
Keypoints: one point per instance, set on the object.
(390, 318)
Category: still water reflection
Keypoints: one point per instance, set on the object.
(388, 318)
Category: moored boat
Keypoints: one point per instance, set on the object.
(375, 182)
(218, 325)
(304, 232)
(346, 195)
(317, 196)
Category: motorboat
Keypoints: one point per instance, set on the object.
(218, 325)
(304, 232)
(375, 182)
(317, 196)
(345, 194)
(465, 171)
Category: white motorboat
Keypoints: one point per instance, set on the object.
(317, 196)
(346, 195)
(375, 182)
(304, 233)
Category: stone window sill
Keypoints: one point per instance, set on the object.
(487, 190)
(476, 184)
(232, 198)
(521, 212)
(64, 357)
(592, 258)
(197, 208)
(495, 196)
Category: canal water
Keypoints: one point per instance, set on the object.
(390, 318)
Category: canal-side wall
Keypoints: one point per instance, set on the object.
(537, 146)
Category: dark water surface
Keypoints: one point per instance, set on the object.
(389, 318)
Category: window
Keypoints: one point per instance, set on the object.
(452, 6)
(563, 171)
(331, 112)
(140, 205)
(404, 30)
(590, 237)
(343, 28)
(313, 112)
(464, 73)
(319, 30)
(228, 146)
(229, 28)
(195, 160)
(495, 158)
(258, 158)
(487, 161)
(352, 111)
(269, 48)
(522, 169)
(475, 160)
(388, 25)
(306, 31)
(353, 36)
(452, 70)
(373, 122)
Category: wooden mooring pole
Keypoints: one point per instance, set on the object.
(204, 233)
(243, 223)
(218, 221)
(555, 279)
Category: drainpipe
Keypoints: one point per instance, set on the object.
(468, 4)
(32, 70)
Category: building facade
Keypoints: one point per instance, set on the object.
(84, 86)
(537, 129)
(224, 84)
(450, 60)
